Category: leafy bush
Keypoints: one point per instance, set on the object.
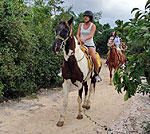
(26, 60)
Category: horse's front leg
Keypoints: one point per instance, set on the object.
(79, 99)
(66, 86)
(110, 70)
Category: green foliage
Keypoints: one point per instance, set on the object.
(1, 89)
(27, 62)
(102, 34)
(32, 96)
(15, 49)
(144, 89)
(101, 39)
(137, 36)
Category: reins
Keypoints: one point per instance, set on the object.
(113, 46)
(81, 58)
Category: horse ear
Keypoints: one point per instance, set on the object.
(70, 21)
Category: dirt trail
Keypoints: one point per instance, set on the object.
(40, 116)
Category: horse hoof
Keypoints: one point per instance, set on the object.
(80, 117)
(60, 123)
(83, 106)
(87, 107)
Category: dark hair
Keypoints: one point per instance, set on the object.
(115, 33)
(88, 13)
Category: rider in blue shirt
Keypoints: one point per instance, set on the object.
(115, 39)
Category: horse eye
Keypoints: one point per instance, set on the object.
(63, 32)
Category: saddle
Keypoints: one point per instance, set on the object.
(90, 62)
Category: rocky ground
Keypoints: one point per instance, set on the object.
(135, 118)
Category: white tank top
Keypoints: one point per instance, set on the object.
(85, 33)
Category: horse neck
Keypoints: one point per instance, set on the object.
(69, 48)
(72, 48)
(78, 52)
(113, 54)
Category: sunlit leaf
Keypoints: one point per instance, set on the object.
(126, 96)
(137, 15)
(134, 9)
(147, 4)
(126, 24)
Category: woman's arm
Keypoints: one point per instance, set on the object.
(78, 32)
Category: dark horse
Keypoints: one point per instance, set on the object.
(75, 70)
(113, 61)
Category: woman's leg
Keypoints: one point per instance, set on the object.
(92, 53)
(120, 52)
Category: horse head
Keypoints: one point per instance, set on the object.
(113, 46)
(63, 32)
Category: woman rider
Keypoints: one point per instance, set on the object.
(85, 35)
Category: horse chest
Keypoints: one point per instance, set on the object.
(71, 70)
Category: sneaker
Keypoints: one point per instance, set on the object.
(98, 78)
(105, 65)
(60, 74)
(122, 66)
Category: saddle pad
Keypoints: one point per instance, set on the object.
(99, 60)
(85, 50)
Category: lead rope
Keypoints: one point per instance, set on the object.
(96, 123)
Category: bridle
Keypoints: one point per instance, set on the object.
(64, 40)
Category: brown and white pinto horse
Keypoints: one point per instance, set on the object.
(113, 61)
(75, 70)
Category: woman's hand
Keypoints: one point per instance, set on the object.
(82, 40)
(79, 41)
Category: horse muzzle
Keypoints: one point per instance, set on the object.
(56, 47)
(55, 50)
